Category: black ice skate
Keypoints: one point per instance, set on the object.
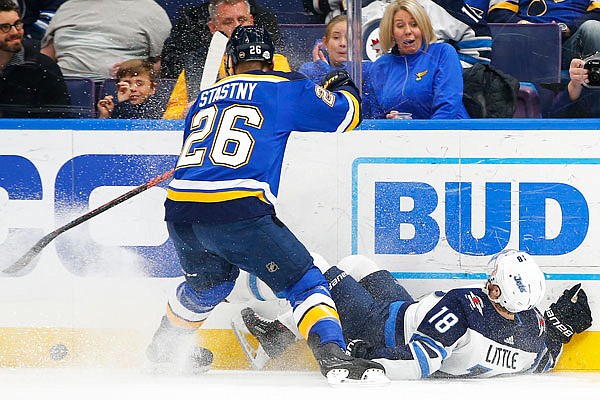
(173, 350)
(273, 336)
(340, 368)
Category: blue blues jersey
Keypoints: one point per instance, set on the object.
(428, 84)
(235, 137)
(460, 334)
(544, 11)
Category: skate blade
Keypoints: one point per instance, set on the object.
(256, 355)
(370, 378)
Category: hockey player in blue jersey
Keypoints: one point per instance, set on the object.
(464, 332)
(220, 205)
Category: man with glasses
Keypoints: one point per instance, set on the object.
(31, 84)
(579, 21)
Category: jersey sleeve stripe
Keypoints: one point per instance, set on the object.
(390, 324)
(353, 115)
(422, 358)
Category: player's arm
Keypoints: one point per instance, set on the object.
(570, 314)
(433, 342)
(307, 107)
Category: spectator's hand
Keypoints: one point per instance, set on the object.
(105, 107)
(319, 52)
(123, 91)
(522, 21)
(578, 76)
(577, 73)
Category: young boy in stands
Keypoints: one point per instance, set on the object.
(136, 90)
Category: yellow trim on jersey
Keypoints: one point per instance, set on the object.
(505, 5)
(594, 6)
(180, 322)
(314, 315)
(356, 106)
(215, 197)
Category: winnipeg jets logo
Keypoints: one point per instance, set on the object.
(475, 302)
(371, 44)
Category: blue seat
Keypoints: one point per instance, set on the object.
(529, 52)
(83, 97)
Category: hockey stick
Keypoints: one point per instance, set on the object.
(43, 242)
(212, 64)
(214, 58)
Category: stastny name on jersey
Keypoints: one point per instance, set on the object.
(233, 90)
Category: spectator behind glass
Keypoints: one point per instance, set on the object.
(88, 38)
(225, 16)
(577, 100)
(31, 84)
(187, 44)
(414, 75)
(460, 23)
(36, 16)
(579, 21)
(331, 53)
(136, 93)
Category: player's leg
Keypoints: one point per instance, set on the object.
(375, 279)
(208, 280)
(274, 334)
(281, 261)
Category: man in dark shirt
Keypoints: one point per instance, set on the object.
(31, 84)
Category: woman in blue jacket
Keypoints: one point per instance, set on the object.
(414, 75)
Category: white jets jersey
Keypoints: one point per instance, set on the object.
(460, 334)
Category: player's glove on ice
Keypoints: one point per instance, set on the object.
(336, 79)
(568, 315)
(358, 348)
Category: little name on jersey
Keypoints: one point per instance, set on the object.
(502, 357)
(233, 90)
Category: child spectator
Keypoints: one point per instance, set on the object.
(331, 52)
(414, 75)
(136, 90)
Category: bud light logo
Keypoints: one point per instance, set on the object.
(477, 209)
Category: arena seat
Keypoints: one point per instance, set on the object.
(528, 102)
(529, 52)
(83, 97)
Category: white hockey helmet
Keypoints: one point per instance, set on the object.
(521, 281)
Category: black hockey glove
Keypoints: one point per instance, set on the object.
(336, 79)
(568, 315)
(358, 348)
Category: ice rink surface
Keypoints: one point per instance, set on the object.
(86, 384)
